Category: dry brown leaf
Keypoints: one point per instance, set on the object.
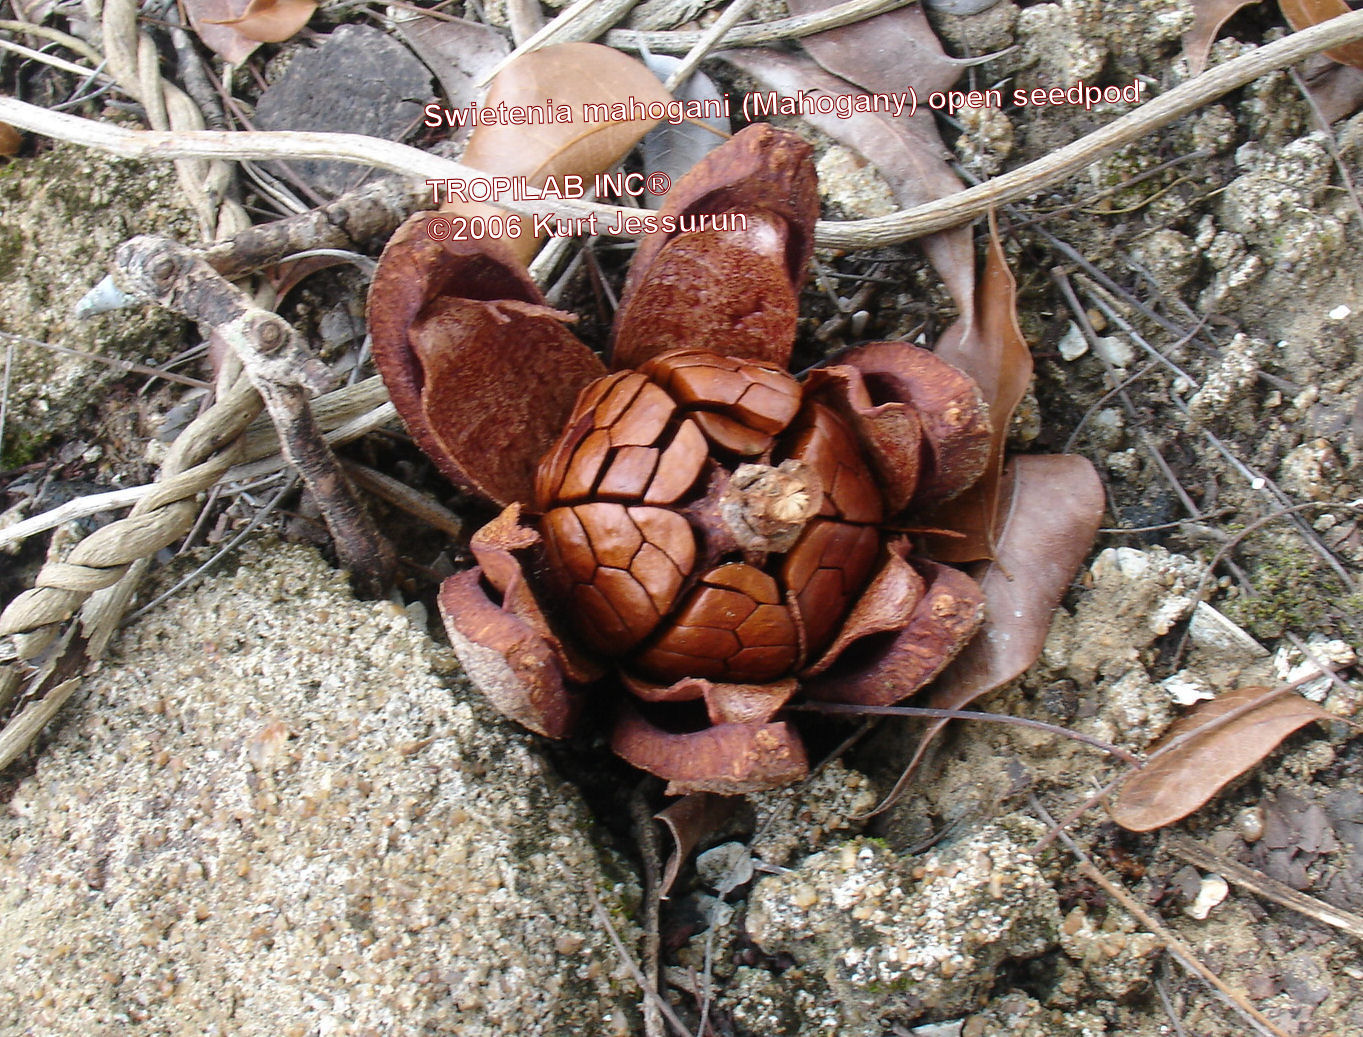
(691, 819)
(1180, 780)
(458, 52)
(875, 53)
(271, 21)
(10, 140)
(907, 152)
(991, 350)
(1049, 517)
(570, 74)
(885, 54)
(1210, 16)
(1337, 89)
(208, 18)
(1302, 14)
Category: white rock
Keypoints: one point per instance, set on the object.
(1212, 891)
(1072, 344)
(1210, 629)
(1185, 688)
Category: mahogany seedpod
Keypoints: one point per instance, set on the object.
(691, 540)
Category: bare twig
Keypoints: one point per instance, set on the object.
(604, 920)
(260, 516)
(646, 837)
(64, 39)
(344, 415)
(1086, 329)
(47, 59)
(110, 361)
(756, 34)
(1168, 1005)
(965, 714)
(708, 41)
(415, 503)
(582, 20)
(1235, 541)
(1331, 144)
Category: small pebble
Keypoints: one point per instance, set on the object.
(1211, 893)
(1250, 824)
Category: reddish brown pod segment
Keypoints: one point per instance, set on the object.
(696, 538)
(771, 556)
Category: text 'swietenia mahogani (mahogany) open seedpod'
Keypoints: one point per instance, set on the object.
(688, 540)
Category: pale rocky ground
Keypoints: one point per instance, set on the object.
(277, 810)
(277, 802)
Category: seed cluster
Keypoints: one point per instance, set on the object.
(647, 570)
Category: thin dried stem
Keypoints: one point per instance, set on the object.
(599, 913)
(50, 59)
(111, 361)
(20, 732)
(1235, 541)
(344, 415)
(1203, 857)
(260, 516)
(582, 20)
(966, 714)
(1331, 144)
(63, 39)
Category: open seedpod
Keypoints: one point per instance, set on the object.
(696, 537)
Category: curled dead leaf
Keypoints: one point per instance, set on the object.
(1049, 512)
(1198, 756)
(993, 352)
(1302, 14)
(1209, 16)
(208, 18)
(691, 819)
(874, 53)
(271, 21)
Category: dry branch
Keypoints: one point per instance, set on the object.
(282, 371)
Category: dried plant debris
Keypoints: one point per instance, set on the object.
(1211, 16)
(1207, 749)
(271, 21)
(384, 87)
(1304, 13)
